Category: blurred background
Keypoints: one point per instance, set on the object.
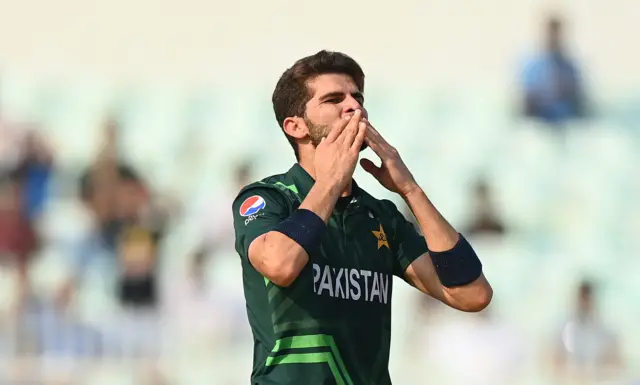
(127, 128)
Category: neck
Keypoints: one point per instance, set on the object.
(306, 162)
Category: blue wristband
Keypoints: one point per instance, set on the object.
(457, 267)
(305, 227)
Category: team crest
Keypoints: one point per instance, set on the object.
(252, 205)
(382, 237)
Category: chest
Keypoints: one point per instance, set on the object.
(354, 266)
(358, 239)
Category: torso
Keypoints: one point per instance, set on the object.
(341, 299)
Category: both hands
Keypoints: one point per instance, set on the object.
(337, 155)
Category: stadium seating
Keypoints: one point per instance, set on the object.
(569, 196)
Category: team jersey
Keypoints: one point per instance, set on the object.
(332, 325)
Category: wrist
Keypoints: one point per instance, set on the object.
(321, 199)
(412, 193)
(327, 188)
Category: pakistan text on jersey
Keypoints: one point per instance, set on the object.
(351, 284)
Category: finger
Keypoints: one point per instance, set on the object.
(357, 142)
(372, 140)
(349, 133)
(378, 144)
(370, 167)
(375, 135)
(373, 129)
(338, 128)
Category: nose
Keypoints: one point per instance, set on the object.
(350, 105)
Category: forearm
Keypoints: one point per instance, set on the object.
(440, 235)
(321, 200)
(470, 292)
(281, 258)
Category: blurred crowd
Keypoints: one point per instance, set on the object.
(126, 227)
(122, 243)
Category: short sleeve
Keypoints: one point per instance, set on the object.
(257, 211)
(408, 244)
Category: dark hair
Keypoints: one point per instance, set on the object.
(125, 173)
(292, 94)
(586, 288)
(554, 23)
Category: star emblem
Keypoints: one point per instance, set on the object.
(382, 238)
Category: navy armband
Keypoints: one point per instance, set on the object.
(457, 267)
(305, 227)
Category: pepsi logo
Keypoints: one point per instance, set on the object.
(252, 205)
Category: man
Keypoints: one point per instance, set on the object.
(19, 239)
(128, 225)
(486, 220)
(586, 347)
(552, 86)
(318, 253)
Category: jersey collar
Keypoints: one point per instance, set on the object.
(301, 179)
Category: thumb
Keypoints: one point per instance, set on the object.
(369, 167)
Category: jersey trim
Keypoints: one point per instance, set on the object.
(291, 187)
(331, 358)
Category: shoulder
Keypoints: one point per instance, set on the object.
(531, 60)
(271, 185)
(270, 191)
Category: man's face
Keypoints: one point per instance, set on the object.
(585, 302)
(334, 97)
(130, 199)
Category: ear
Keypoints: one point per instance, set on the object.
(295, 127)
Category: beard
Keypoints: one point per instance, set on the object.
(319, 131)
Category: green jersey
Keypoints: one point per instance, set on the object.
(332, 325)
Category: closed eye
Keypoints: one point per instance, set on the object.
(334, 100)
(338, 97)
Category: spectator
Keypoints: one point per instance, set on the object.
(551, 81)
(21, 147)
(12, 144)
(127, 229)
(586, 348)
(485, 220)
(18, 237)
(37, 167)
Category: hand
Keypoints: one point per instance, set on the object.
(337, 154)
(393, 174)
